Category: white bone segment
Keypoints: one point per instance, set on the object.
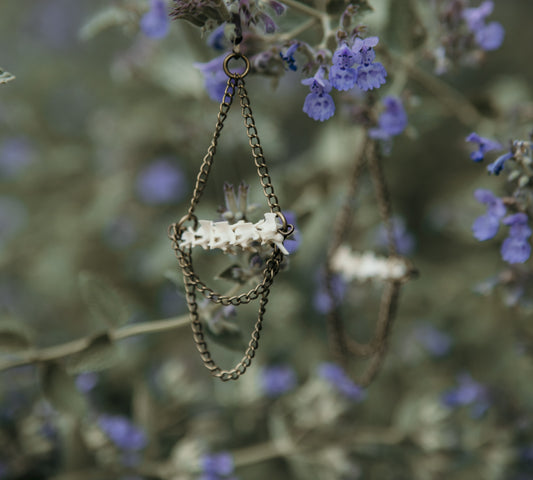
(226, 236)
(367, 266)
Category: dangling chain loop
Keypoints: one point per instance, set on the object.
(193, 284)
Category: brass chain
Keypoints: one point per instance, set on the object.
(193, 284)
(199, 337)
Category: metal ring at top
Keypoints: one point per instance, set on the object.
(286, 228)
(236, 75)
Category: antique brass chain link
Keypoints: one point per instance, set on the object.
(193, 284)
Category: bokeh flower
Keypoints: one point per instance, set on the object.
(123, 433)
(516, 247)
(156, 23)
(392, 121)
(161, 182)
(277, 380)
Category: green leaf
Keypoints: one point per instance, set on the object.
(109, 17)
(101, 353)
(6, 77)
(14, 336)
(104, 302)
(60, 390)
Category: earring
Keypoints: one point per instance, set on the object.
(231, 238)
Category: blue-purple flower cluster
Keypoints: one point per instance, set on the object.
(156, 22)
(488, 36)
(277, 380)
(516, 247)
(392, 121)
(217, 466)
(351, 66)
(123, 433)
(468, 393)
(485, 145)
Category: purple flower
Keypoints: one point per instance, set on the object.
(156, 23)
(370, 76)
(392, 121)
(405, 242)
(288, 58)
(363, 50)
(518, 225)
(322, 300)
(484, 145)
(319, 104)
(269, 25)
(217, 464)
(433, 340)
(123, 433)
(344, 57)
(161, 182)
(497, 166)
(475, 17)
(16, 154)
(486, 226)
(342, 79)
(490, 37)
(217, 40)
(292, 243)
(516, 247)
(337, 377)
(85, 382)
(515, 250)
(214, 77)
(277, 380)
(468, 392)
(341, 75)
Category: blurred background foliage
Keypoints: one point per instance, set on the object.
(101, 136)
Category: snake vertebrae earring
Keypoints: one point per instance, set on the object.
(272, 230)
(394, 271)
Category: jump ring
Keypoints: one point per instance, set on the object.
(286, 228)
(235, 75)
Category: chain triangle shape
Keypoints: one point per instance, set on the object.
(235, 85)
(342, 345)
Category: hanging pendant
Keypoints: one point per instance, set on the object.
(231, 237)
(393, 270)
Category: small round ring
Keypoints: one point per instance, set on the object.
(286, 228)
(235, 75)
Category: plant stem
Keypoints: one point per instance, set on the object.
(302, 7)
(58, 352)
